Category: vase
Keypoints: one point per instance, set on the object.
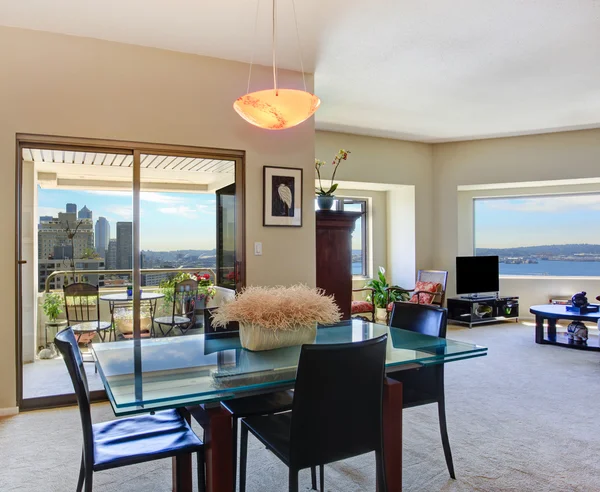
(380, 314)
(256, 337)
(325, 202)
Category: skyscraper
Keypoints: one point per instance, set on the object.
(124, 245)
(54, 233)
(85, 213)
(111, 255)
(102, 236)
(71, 208)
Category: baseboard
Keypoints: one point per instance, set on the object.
(7, 412)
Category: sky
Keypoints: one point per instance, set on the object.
(536, 221)
(168, 222)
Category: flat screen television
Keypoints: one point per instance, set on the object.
(476, 274)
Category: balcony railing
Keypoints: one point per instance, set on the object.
(124, 272)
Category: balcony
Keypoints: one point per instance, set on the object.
(48, 377)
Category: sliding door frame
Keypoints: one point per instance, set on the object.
(50, 142)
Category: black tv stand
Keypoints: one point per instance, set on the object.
(478, 310)
(475, 297)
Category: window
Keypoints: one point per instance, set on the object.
(540, 235)
(359, 236)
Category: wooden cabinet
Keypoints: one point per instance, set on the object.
(334, 256)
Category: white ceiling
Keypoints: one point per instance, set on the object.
(428, 70)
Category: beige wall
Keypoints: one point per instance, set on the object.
(554, 156)
(62, 85)
(389, 162)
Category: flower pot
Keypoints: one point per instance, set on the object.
(325, 202)
(380, 314)
(255, 337)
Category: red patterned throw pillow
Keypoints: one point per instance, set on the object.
(361, 307)
(423, 298)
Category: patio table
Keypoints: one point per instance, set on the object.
(121, 298)
(194, 373)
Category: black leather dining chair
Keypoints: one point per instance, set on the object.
(347, 377)
(424, 385)
(126, 441)
(249, 406)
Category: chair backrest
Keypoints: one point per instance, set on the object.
(232, 327)
(420, 318)
(184, 298)
(437, 277)
(81, 303)
(67, 345)
(337, 409)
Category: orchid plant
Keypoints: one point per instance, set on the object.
(342, 155)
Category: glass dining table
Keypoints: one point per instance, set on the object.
(194, 373)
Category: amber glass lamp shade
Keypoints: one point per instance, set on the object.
(277, 109)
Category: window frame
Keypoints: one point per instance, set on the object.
(525, 193)
(363, 202)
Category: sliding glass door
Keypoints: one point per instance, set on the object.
(130, 220)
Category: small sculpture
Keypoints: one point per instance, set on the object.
(577, 331)
(49, 352)
(579, 300)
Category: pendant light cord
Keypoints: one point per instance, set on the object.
(299, 46)
(274, 46)
(253, 45)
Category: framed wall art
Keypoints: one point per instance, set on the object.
(282, 199)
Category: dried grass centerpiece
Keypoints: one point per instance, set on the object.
(273, 317)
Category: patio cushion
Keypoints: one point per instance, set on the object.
(422, 298)
(361, 307)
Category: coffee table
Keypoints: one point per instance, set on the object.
(553, 312)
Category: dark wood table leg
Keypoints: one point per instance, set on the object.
(552, 330)
(182, 466)
(539, 329)
(217, 446)
(392, 433)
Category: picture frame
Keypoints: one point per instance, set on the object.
(282, 196)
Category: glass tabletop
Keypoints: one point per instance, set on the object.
(152, 374)
(123, 297)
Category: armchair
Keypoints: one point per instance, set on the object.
(363, 306)
(430, 288)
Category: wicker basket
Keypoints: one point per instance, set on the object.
(255, 337)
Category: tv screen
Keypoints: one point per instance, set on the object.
(476, 274)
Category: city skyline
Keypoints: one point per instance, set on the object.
(536, 221)
(169, 221)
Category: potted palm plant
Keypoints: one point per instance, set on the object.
(274, 317)
(380, 293)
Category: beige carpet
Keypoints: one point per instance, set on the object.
(524, 418)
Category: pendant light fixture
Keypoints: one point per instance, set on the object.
(277, 108)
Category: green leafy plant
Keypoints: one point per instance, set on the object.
(380, 286)
(206, 288)
(52, 306)
(342, 155)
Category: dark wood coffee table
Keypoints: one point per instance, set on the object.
(553, 312)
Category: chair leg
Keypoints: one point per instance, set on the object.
(380, 470)
(322, 477)
(313, 477)
(201, 477)
(243, 457)
(234, 433)
(293, 480)
(81, 475)
(88, 478)
(444, 434)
